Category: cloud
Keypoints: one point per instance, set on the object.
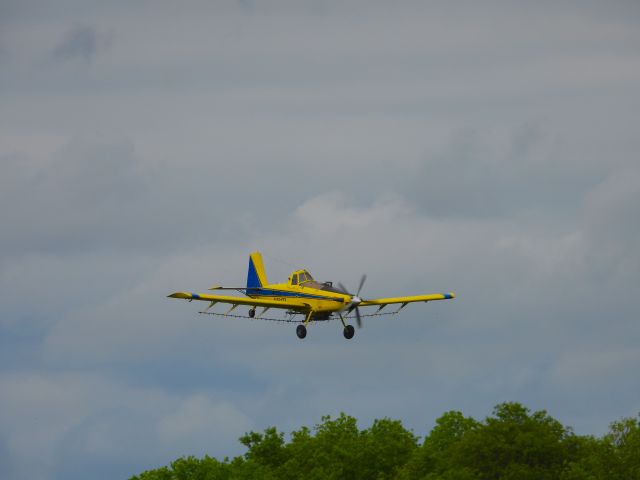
(613, 222)
(579, 370)
(517, 171)
(82, 43)
(490, 151)
(531, 305)
(199, 421)
(52, 419)
(77, 197)
(522, 297)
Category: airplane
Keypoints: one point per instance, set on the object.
(303, 295)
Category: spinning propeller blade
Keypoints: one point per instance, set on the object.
(355, 299)
(362, 280)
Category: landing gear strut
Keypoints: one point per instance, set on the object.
(348, 332)
(301, 331)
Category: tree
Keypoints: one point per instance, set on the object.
(589, 459)
(435, 459)
(616, 456)
(385, 447)
(329, 454)
(189, 468)
(624, 440)
(266, 448)
(515, 444)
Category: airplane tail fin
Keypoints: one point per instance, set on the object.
(256, 276)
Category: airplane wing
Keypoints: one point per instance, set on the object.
(231, 300)
(404, 300)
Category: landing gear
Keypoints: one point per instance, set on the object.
(301, 331)
(348, 332)
(252, 312)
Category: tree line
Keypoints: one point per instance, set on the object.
(511, 444)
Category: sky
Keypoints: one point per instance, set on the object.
(490, 149)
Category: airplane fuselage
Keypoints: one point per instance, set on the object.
(303, 297)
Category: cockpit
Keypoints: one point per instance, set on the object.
(300, 277)
(304, 279)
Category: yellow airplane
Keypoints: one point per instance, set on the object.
(303, 295)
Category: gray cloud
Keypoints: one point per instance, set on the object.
(81, 42)
(517, 172)
(79, 196)
(98, 418)
(489, 151)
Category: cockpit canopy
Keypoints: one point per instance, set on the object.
(304, 278)
(300, 276)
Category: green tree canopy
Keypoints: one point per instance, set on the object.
(513, 443)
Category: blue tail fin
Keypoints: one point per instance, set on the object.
(256, 276)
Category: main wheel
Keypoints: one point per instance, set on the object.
(252, 312)
(348, 332)
(301, 331)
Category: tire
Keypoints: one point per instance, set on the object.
(252, 313)
(301, 331)
(348, 332)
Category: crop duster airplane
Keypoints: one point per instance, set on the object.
(304, 296)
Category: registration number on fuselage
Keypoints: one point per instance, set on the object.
(280, 299)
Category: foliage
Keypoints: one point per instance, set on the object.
(512, 443)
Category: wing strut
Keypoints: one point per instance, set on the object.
(209, 307)
(402, 306)
(264, 310)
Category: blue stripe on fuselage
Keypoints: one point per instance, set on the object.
(263, 292)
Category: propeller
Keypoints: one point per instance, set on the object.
(355, 300)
